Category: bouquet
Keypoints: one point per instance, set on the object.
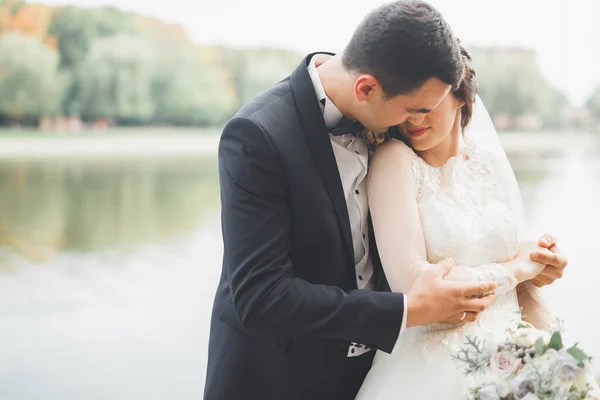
(530, 365)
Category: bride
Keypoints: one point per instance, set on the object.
(445, 190)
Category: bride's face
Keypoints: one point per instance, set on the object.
(424, 133)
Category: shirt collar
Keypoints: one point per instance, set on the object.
(331, 114)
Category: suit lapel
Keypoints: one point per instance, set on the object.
(318, 139)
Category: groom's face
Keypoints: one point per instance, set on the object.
(378, 113)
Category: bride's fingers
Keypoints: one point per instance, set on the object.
(547, 241)
(549, 258)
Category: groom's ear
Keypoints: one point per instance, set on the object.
(365, 87)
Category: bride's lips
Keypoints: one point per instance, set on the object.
(418, 131)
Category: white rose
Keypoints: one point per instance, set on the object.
(546, 363)
(530, 396)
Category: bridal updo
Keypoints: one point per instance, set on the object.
(465, 93)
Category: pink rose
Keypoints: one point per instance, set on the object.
(504, 364)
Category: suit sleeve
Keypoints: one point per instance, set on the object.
(256, 235)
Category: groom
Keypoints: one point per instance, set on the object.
(301, 305)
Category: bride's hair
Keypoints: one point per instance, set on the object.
(466, 92)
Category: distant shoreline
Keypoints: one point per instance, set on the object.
(114, 144)
(172, 142)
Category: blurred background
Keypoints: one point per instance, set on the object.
(110, 113)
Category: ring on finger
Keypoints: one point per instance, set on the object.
(463, 316)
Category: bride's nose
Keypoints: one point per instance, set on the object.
(416, 119)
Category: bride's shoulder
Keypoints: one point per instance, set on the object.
(395, 160)
(394, 151)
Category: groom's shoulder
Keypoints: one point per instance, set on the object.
(272, 101)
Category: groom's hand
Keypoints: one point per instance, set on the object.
(433, 299)
(555, 262)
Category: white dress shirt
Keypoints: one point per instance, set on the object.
(352, 158)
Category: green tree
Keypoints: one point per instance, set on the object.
(115, 80)
(77, 28)
(254, 71)
(31, 85)
(12, 5)
(510, 82)
(189, 90)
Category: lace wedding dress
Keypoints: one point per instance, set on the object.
(459, 213)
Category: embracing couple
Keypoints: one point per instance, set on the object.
(370, 221)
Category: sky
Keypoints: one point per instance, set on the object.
(565, 34)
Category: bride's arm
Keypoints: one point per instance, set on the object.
(533, 307)
(399, 234)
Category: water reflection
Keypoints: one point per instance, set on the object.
(51, 206)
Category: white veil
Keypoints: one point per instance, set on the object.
(482, 133)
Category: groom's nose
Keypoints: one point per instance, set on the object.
(416, 119)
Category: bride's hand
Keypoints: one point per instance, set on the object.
(523, 267)
(434, 299)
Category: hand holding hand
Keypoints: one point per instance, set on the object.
(523, 267)
(433, 299)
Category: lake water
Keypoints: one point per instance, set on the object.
(108, 269)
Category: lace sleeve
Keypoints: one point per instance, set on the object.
(505, 279)
(392, 191)
(418, 176)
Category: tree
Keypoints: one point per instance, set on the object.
(5, 19)
(12, 6)
(30, 82)
(115, 80)
(254, 71)
(189, 90)
(166, 37)
(76, 29)
(510, 82)
(108, 67)
(32, 20)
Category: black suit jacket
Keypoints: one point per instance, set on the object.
(287, 304)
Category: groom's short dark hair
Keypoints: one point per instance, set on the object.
(403, 44)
